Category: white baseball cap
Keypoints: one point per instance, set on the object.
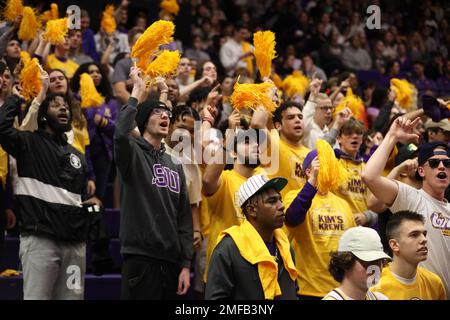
(444, 124)
(257, 183)
(364, 243)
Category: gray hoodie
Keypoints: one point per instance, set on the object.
(155, 214)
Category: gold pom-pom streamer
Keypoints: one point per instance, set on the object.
(404, 92)
(165, 65)
(54, 11)
(170, 6)
(108, 23)
(249, 95)
(159, 33)
(30, 76)
(56, 31)
(295, 84)
(51, 14)
(277, 80)
(332, 173)
(13, 9)
(355, 104)
(264, 43)
(88, 93)
(29, 25)
(25, 57)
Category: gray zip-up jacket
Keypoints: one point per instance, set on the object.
(155, 214)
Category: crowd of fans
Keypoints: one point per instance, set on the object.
(90, 148)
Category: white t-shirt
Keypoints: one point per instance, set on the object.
(437, 224)
(338, 294)
(229, 56)
(192, 173)
(312, 131)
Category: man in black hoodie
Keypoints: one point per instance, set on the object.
(156, 222)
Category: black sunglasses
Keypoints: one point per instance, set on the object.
(434, 163)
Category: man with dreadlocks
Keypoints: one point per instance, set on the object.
(52, 179)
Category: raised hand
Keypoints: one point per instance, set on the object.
(213, 96)
(138, 83)
(314, 87)
(392, 95)
(45, 84)
(315, 166)
(360, 219)
(207, 81)
(403, 130)
(343, 116)
(16, 89)
(345, 84)
(45, 79)
(443, 103)
(209, 113)
(161, 84)
(408, 166)
(234, 120)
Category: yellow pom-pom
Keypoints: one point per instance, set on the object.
(54, 11)
(56, 31)
(332, 173)
(30, 76)
(13, 9)
(295, 84)
(264, 42)
(404, 92)
(355, 104)
(88, 93)
(29, 25)
(25, 57)
(9, 273)
(165, 65)
(277, 80)
(51, 14)
(108, 23)
(170, 6)
(249, 95)
(159, 33)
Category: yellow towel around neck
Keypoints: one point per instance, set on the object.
(253, 249)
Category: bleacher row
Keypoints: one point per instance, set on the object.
(106, 286)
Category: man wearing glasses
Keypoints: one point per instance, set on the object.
(434, 170)
(156, 221)
(317, 115)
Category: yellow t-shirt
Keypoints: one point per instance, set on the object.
(427, 286)
(289, 164)
(3, 168)
(355, 191)
(69, 67)
(205, 219)
(313, 240)
(80, 139)
(223, 209)
(390, 164)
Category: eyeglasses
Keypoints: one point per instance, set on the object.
(330, 108)
(434, 163)
(160, 112)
